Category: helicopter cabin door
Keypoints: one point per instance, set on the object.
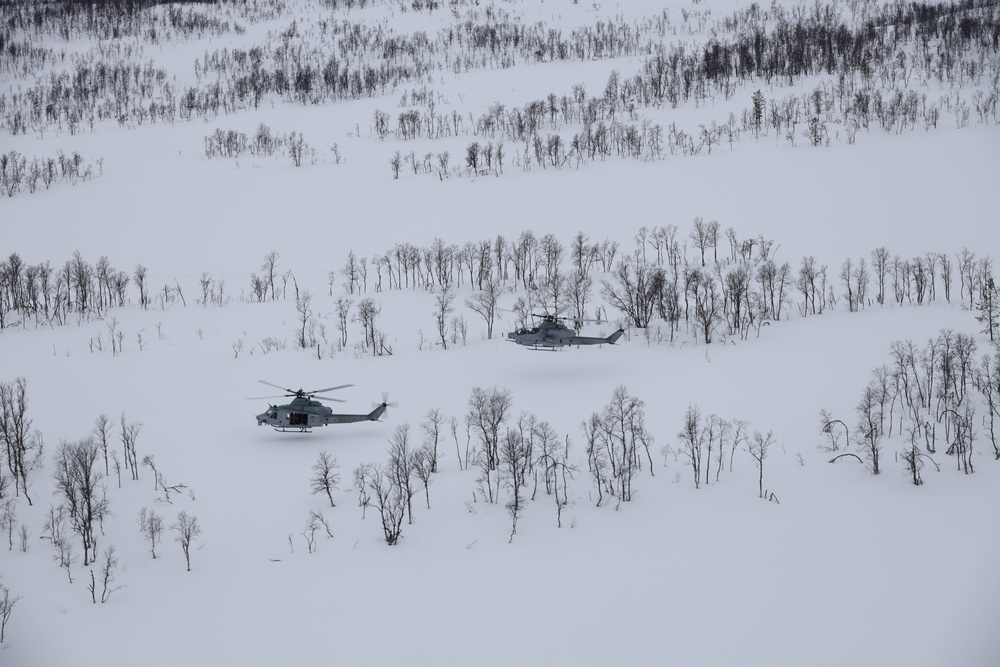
(298, 419)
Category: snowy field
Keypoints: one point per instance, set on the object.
(835, 566)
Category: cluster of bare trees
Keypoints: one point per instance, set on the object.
(75, 521)
(233, 144)
(901, 280)
(18, 174)
(870, 86)
(390, 488)
(617, 441)
(7, 602)
(707, 438)
(78, 482)
(927, 397)
(518, 457)
(874, 78)
(43, 293)
(22, 445)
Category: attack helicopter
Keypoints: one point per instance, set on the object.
(552, 334)
(305, 411)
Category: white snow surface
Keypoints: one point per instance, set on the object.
(847, 569)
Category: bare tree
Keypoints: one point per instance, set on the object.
(8, 520)
(692, 441)
(343, 314)
(305, 316)
(708, 305)
(515, 453)
(129, 434)
(351, 272)
(269, 267)
(831, 428)
(484, 302)
(140, 281)
(912, 461)
(187, 529)
(14, 431)
(326, 476)
(55, 526)
(109, 566)
(402, 466)
(624, 419)
(442, 308)
(700, 237)
(361, 475)
(365, 314)
(390, 501)
(77, 479)
(7, 603)
(630, 290)
(869, 410)
(989, 308)
(987, 381)
(597, 456)
(151, 526)
(488, 411)
(102, 434)
(758, 446)
(424, 466)
(846, 273)
(433, 428)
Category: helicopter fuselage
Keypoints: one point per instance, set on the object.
(552, 335)
(302, 414)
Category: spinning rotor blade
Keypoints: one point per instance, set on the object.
(303, 393)
(384, 404)
(323, 391)
(315, 394)
(385, 401)
(276, 386)
(327, 398)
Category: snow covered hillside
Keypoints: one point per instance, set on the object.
(789, 459)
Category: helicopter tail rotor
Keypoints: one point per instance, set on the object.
(379, 409)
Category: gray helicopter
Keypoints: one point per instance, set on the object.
(304, 413)
(552, 334)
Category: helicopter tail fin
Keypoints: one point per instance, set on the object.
(613, 338)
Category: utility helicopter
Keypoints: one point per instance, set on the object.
(304, 413)
(552, 334)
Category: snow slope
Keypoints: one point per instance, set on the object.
(841, 568)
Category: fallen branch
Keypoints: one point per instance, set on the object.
(846, 454)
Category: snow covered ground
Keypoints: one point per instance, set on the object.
(841, 568)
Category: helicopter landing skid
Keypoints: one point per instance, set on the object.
(543, 348)
(282, 429)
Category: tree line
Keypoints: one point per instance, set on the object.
(706, 283)
(881, 60)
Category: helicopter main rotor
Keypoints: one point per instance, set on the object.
(301, 393)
